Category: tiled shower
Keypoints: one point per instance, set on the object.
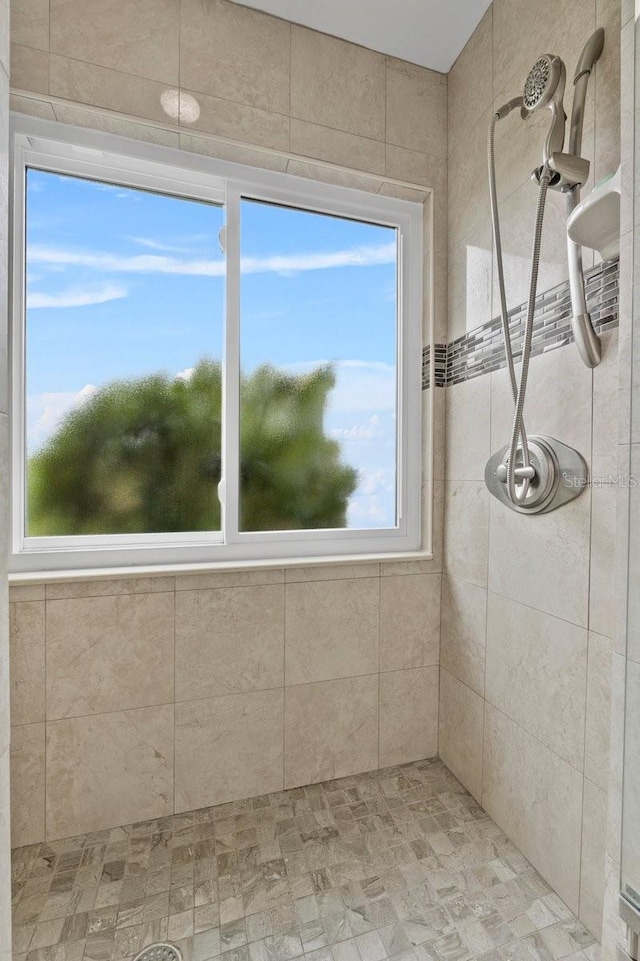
(416, 758)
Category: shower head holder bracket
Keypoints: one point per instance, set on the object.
(568, 171)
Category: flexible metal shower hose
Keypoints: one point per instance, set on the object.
(518, 389)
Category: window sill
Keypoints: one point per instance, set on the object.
(158, 570)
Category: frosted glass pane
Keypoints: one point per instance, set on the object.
(318, 347)
(124, 326)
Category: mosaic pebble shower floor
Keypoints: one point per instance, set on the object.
(399, 863)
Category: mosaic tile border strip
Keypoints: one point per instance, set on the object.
(481, 351)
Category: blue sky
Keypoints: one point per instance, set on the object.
(122, 283)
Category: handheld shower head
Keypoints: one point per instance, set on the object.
(544, 87)
(544, 84)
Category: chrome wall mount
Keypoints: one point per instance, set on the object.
(556, 475)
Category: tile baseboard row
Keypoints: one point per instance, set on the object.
(481, 351)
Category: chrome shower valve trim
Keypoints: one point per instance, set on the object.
(556, 475)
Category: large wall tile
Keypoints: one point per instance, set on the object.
(98, 587)
(536, 798)
(470, 284)
(409, 621)
(336, 146)
(416, 168)
(331, 730)
(416, 108)
(408, 715)
(237, 54)
(602, 573)
(542, 561)
(109, 769)
(5, 667)
(461, 721)
(29, 69)
(466, 532)
(616, 756)
(229, 640)
(239, 121)
(606, 401)
(631, 638)
(30, 23)
(521, 35)
(240, 736)
(469, 82)
(249, 156)
(109, 653)
(516, 225)
(208, 580)
(99, 86)
(592, 872)
(462, 647)
(598, 721)
(135, 38)
(331, 572)
(4, 55)
(322, 69)
(27, 784)
(27, 666)
(5, 860)
(607, 90)
(536, 674)
(26, 592)
(112, 123)
(631, 772)
(468, 433)
(332, 629)
(468, 191)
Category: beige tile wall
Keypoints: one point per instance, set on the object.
(528, 603)
(135, 698)
(5, 877)
(275, 678)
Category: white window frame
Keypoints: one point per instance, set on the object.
(100, 156)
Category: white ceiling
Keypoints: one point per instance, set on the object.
(429, 32)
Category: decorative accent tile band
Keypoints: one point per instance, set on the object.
(481, 351)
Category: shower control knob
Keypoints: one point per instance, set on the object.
(521, 473)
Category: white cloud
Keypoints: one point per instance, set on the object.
(46, 411)
(373, 503)
(185, 374)
(366, 431)
(362, 386)
(152, 244)
(75, 297)
(153, 263)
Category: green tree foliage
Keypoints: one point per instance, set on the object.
(144, 456)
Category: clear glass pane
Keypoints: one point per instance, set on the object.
(124, 332)
(318, 347)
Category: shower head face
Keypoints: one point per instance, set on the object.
(545, 80)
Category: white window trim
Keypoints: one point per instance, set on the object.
(103, 156)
